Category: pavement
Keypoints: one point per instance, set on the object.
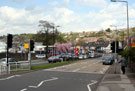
(114, 80)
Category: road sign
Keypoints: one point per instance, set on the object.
(26, 45)
(132, 44)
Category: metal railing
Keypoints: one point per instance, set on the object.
(14, 66)
(3, 69)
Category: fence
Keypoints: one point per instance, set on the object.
(14, 66)
(3, 69)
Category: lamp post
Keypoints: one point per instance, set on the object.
(128, 41)
(56, 31)
(53, 41)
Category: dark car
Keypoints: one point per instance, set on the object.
(107, 61)
(74, 56)
(66, 57)
(11, 61)
(54, 59)
(112, 57)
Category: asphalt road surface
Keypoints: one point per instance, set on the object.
(85, 66)
(84, 75)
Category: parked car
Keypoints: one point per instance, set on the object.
(66, 57)
(81, 56)
(12, 62)
(112, 57)
(4, 60)
(54, 59)
(98, 54)
(91, 54)
(40, 56)
(107, 60)
(74, 56)
(85, 56)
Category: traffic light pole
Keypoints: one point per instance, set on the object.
(29, 56)
(9, 45)
(7, 60)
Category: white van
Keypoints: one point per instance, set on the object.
(40, 56)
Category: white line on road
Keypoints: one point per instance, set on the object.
(101, 72)
(10, 77)
(104, 69)
(53, 78)
(84, 67)
(75, 70)
(93, 82)
(24, 89)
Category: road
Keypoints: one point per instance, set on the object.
(84, 75)
(85, 66)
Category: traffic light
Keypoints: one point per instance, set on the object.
(113, 47)
(31, 45)
(9, 40)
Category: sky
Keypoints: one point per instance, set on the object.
(23, 16)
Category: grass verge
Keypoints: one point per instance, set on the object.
(45, 66)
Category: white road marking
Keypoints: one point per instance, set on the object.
(93, 82)
(53, 78)
(24, 89)
(104, 69)
(75, 70)
(10, 77)
(101, 72)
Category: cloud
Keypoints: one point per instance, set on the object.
(107, 23)
(18, 20)
(64, 3)
(26, 20)
(54, 3)
(91, 3)
(18, 1)
(118, 12)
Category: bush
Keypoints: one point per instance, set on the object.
(132, 54)
(125, 53)
(129, 53)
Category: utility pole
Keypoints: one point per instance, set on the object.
(29, 56)
(31, 47)
(9, 45)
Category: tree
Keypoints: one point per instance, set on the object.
(100, 33)
(64, 47)
(44, 32)
(108, 30)
(122, 35)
